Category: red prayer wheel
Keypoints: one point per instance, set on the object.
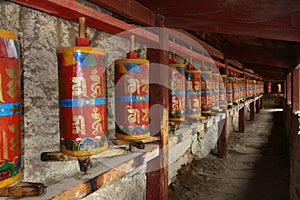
(206, 89)
(222, 91)
(215, 86)
(176, 92)
(193, 92)
(229, 89)
(241, 88)
(236, 90)
(132, 98)
(82, 95)
(10, 116)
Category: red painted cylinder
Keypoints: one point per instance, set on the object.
(206, 89)
(82, 94)
(193, 92)
(215, 88)
(241, 88)
(222, 87)
(132, 99)
(10, 116)
(176, 92)
(229, 90)
(236, 89)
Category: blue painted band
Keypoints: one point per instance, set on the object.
(188, 93)
(82, 102)
(136, 99)
(9, 109)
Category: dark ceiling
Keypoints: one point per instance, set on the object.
(262, 34)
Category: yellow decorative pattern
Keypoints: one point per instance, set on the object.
(8, 35)
(130, 137)
(10, 180)
(84, 153)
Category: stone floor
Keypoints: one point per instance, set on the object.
(256, 166)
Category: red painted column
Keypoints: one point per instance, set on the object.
(295, 89)
(252, 111)
(289, 89)
(157, 169)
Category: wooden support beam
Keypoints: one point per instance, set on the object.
(223, 136)
(261, 56)
(242, 120)
(296, 90)
(252, 111)
(130, 9)
(231, 28)
(257, 105)
(157, 169)
(289, 89)
(262, 102)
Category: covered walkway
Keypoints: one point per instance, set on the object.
(256, 166)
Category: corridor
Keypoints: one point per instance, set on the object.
(255, 168)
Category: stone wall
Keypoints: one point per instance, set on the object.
(41, 35)
(292, 124)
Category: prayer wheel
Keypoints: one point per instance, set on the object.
(206, 89)
(222, 91)
(241, 88)
(176, 92)
(10, 116)
(236, 89)
(229, 89)
(82, 100)
(215, 87)
(193, 92)
(248, 87)
(132, 98)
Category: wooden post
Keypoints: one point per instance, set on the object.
(223, 124)
(252, 111)
(257, 105)
(157, 169)
(242, 120)
(222, 142)
(289, 89)
(295, 90)
(262, 102)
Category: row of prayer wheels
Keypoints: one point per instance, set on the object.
(82, 98)
(197, 92)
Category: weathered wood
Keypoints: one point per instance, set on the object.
(289, 89)
(252, 111)
(296, 90)
(223, 137)
(242, 120)
(23, 189)
(58, 156)
(262, 102)
(129, 9)
(157, 169)
(257, 105)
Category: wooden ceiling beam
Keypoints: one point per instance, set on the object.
(129, 9)
(282, 59)
(231, 28)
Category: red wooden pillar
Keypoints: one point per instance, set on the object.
(223, 140)
(157, 169)
(223, 125)
(257, 105)
(289, 89)
(252, 111)
(295, 89)
(285, 89)
(242, 120)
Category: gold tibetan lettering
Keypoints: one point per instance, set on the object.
(1, 90)
(146, 114)
(79, 86)
(97, 124)
(134, 115)
(131, 85)
(14, 141)
(78, 125)
(13, 84)
(96, 86)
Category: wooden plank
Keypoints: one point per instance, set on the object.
(157, 169)
(231, 28)
(129, 9)
(23, 189)
(242, 120)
